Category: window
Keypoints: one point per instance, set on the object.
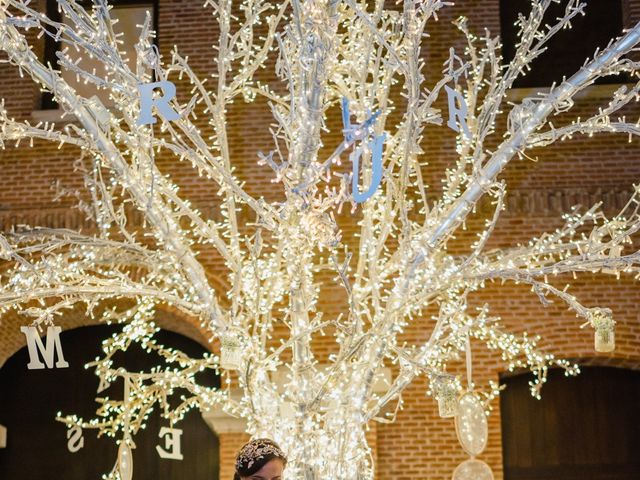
(584, 428)
(569, 48)
(129, 13)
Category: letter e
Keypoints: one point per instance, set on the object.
(171, 442)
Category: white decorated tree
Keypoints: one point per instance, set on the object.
(366, 57)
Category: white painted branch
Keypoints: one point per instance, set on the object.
(461, 208)
(25, 57)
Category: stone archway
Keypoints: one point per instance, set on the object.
(37, 444)
(12, 340)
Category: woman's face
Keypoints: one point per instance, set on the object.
(271, 471)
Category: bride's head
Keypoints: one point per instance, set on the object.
(260, 459)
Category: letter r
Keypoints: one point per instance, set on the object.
(457, 113)
(147, 102)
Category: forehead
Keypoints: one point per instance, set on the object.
(271, 469)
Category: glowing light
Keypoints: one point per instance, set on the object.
(326, 53)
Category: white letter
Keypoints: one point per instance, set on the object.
(34, 344)
(457, 114)
(171, 443)
(103, 385)
(76, 440)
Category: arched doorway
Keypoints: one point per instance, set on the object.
(37, 443)
(585, 428)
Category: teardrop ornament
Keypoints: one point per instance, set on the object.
(125, 461)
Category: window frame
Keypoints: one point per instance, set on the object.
(535, 80)
(51, 47)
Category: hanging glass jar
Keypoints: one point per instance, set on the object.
(230, 352)
(446, 393)
(603, 323)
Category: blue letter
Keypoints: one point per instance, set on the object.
(455, 112)
(376, 163)
(346, 120)
(147, 102)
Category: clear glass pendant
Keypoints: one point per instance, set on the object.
(473, 469)
(472, 427)
(125, 461)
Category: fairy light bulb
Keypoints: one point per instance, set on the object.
(392, 260)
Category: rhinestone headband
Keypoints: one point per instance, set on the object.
(255, 450)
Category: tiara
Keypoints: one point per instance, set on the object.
(255, 450)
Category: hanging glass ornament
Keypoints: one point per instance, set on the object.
(471, 424)
(230, 352)
(605, 339)
(446, 392)
(125, 461)
(601, 319)
(473, 469)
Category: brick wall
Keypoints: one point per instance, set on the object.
(230, 444)
(419, 444)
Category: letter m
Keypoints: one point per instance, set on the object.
(34, 344)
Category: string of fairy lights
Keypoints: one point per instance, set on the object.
(367, 58)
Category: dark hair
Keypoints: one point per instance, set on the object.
(246, 469)
(247, 472)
